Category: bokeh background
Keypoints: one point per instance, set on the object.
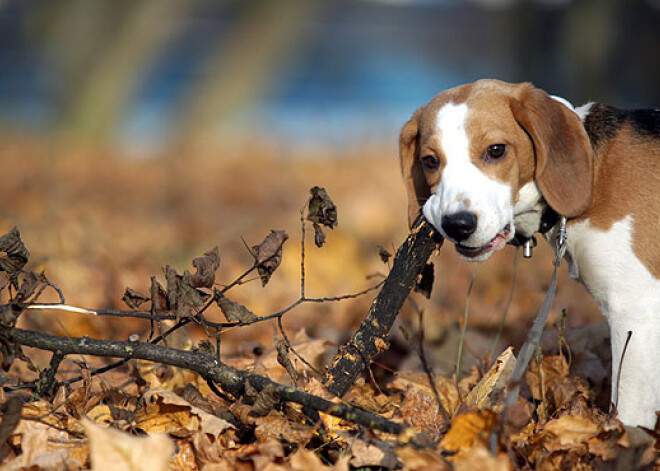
(139, 133)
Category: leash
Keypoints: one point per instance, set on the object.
(534, 335)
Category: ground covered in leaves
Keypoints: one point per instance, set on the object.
(146, 415)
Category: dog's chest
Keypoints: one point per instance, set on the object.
(604, 261)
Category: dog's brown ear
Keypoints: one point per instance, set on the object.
(564, 157)
(411, 168)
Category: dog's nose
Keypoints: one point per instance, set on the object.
(459, 226)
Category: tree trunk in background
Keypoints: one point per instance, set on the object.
(241, 69)
(114, 46)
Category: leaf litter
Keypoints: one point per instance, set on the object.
(164, 417)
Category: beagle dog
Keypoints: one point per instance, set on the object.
(491, 163)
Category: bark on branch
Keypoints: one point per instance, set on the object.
(371, 338)
(231, 380)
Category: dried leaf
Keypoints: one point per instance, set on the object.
(166, 412)
(17, 255)
(268, 254)
(172, 280)
(206, 267)
(480, 458)
(319, 235)
(11, 415)
(321, 208)
(205, 347)
(469, 429)
(158, 297)
(377, 454)
(384, 254)
(134, 299)
(284, 360)
(424, 283)
(189, 299)
(266, 400)
(113, 450)
(489, 392)
(234, 312)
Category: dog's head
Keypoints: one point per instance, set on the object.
(481, 161)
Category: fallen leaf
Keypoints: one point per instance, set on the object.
(489, 391)
(414, 459)
(468, 430)
(266, 400)
(480, 458)
(166, 412)
(112, 450)
(377, 454)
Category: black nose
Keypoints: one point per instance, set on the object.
(459, 226)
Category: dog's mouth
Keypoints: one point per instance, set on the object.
(495, 244)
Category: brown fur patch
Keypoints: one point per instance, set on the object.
(627, 181)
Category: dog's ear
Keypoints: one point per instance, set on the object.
(411, 168)
(563, 153)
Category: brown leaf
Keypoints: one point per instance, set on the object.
(489, 392)
(134, 299)
(384, 254)
(377, 454)
(480, 458)
(266, 400)
(268, 254)
(284, 360)
(553, 368)
(206, 267)
(17, 255)
(424, 283)
(319, 235)
(158, 297)
(205, 347)
(31, 281)
(166, 412)
(11, 415)
(189, 299)
(468, 430)
(114, 450)
(172, 279)
(321, 208)
(234, 312)
(568, 431)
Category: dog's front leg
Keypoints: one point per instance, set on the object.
(636, 367)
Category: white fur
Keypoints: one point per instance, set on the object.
(563, 101)
(629, 297)
(583, 111)
(464, 187)
(603, 261)
(528, 210)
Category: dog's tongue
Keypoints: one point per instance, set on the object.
(495, 243)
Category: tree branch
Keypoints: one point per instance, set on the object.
(231, 380)
(370, 339)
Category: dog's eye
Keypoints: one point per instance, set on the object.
(430, 162)
(496, 151)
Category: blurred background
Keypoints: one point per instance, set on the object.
(139, 133)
